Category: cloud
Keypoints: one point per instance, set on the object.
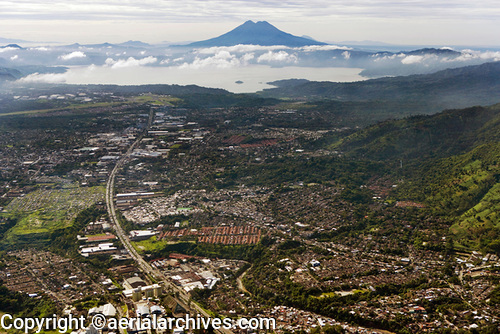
(14, 57)
(245, 48)
(40, 48)
(44, 78)
(412, 59)
(280, 56)
(240, 48)
(312, 48)
(247, 57)
(393, 21)
(72, 55)
(222, 59)
(130, 62)
(196, 10)
(346, 55)
(416, 59)
(76, 74)
(7, 49)
(472, 56)
(468, 55)
(386, 57)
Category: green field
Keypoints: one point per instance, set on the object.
(45, 210)
(69, 108)
(151, 245)
(341, 293)
(163, 100)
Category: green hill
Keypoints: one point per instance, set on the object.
(441, 135)
(450, 161)
(454, 87)
(359, 102)
(464, 188)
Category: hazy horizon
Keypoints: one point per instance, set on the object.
(423, 22)
(470, 29)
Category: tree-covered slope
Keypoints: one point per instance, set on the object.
(444, 134)
(449, 161)
(464, 188)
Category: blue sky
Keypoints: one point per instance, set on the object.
(423, 22)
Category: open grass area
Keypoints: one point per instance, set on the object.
(69, 108)
(327, 295)
(45, 210)
(341, 293)
(162, 100)
(151, 245)
(296, 105)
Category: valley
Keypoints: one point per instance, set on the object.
(321, 214)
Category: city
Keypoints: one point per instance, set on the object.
(221, 212)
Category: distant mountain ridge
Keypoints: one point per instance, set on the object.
(13, 40)
(434, 51)
(9, 74)
(135, 44)
(451, 88)
(13, 46)
(256, 33)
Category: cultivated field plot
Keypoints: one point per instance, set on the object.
(44, 210)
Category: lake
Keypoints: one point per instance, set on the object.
(251, 78)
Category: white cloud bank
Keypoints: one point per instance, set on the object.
(312, 48)
(245, 48)
(239, 48)
(473, 55)
(73, 55)
(7, 49)
(40, 48)
(413, 59)
(280, 56)
(467, 55)
(44, 78)
(130, 62)
(222, 59)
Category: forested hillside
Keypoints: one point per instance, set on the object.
(449, 161)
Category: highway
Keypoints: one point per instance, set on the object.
(143, 265)
(183, 298)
